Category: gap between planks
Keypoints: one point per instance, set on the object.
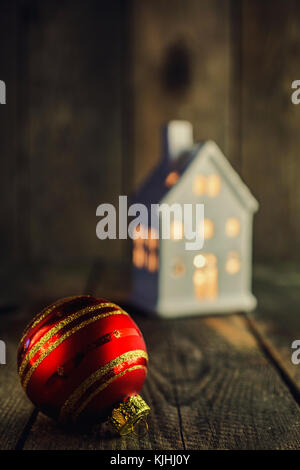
(274, 358)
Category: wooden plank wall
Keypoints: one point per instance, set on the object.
(74, 81)
(181, 70)
(8, 147)
(61, 135)
(270, 123)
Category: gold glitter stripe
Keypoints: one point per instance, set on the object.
(103, 386)
(69, 404)
(41, 315)
(63, 338)
(74, 316)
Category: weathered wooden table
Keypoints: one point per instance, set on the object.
(217, 382)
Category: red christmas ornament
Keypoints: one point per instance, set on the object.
(84, 357)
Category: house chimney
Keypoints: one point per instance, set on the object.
(177, 138)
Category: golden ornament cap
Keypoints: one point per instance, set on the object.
(128, 414)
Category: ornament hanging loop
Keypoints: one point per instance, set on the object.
(142, 428)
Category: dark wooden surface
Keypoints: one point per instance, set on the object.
(277, 319)
(216, 382)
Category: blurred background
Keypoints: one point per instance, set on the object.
(89, 84)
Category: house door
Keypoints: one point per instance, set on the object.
(205, 278)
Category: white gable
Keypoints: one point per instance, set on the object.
(210, 151)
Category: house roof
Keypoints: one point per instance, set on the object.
(154, 189)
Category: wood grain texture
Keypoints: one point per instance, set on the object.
(180, 70)
(209, 387)
(74, 128)
(277, 315)
(61, 137)
(270, 135)
(233, 398)
(8, 152)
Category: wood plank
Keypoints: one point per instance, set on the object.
(209, 387)
(8, 148)
(74, 128)
(230, 396)
(181, 69)
(15, 408)
(270, 133)
(277, 315)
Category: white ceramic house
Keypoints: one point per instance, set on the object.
(168, 279)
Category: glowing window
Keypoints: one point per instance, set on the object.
(213, 185)
(232, 227)
(199, 261)
(205, 276)
(138, 242)
(199, 277)
(206, 283)
(208, 229)
(152, 262)
(233, 264)
(171, 179)
(152, 240)
(152, 233)
(178, 268)
(199, 185)
(210, 260)
(138, 256)
(152, 243)
(176, 231)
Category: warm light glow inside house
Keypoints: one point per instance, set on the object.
(213, 185)
(145, 251)
(138, 256)
(199, 261)
(178, 268)
(208, 229)
(199, 185)
(199, 278)
(171, 179)
(233, 227)
(152, 262)
(152, 240)
(209, 185)
(176, 230)
(233, 264)
(205, 276)
(173, 278)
